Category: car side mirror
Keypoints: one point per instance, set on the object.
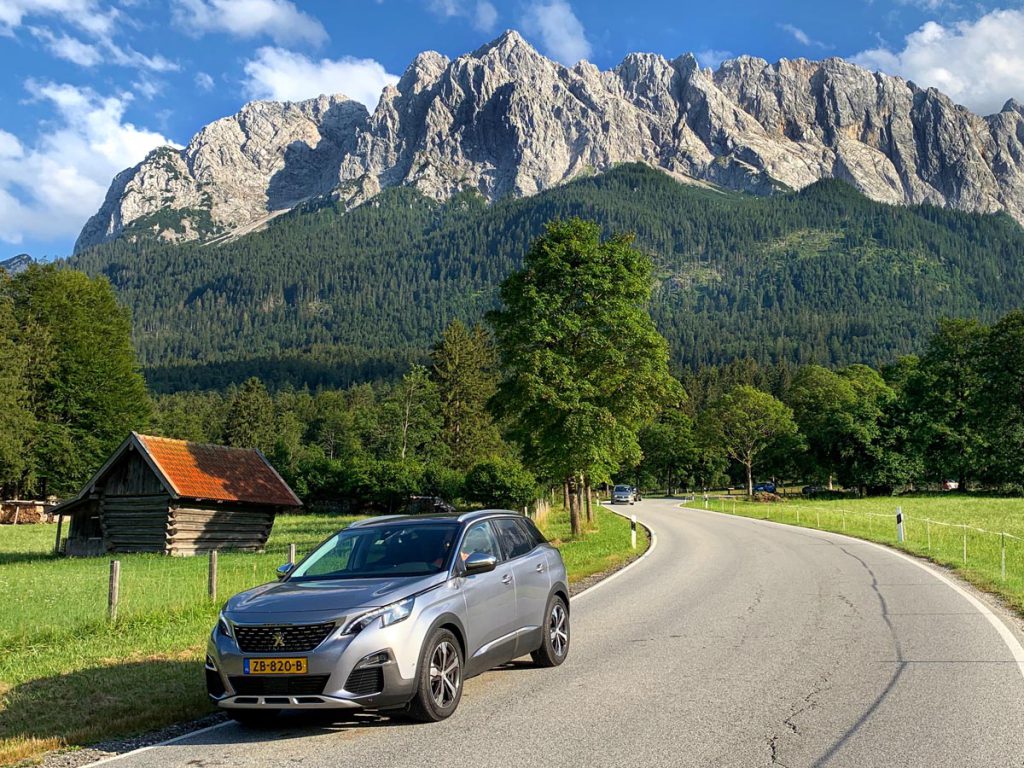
(480, 562)
(284, 570)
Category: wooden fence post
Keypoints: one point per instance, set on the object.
(291, 554)
(211, 585)
(114, 593)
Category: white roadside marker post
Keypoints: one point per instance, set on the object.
(899, 525)
(632, 530)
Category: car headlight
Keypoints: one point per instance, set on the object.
(223, 628)
(389, 614)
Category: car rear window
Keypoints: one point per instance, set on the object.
(513, 537)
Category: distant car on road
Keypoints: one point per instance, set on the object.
(392, 613)
(623, 494)
(764, 488)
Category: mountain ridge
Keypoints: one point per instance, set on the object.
(506, 121)
(327, 296)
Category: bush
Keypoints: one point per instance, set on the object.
(769, 498)
(500, 483)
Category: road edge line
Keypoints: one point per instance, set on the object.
(1011, 641)
(654, 542)
(148, 747)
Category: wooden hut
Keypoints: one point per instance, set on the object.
(160, 495)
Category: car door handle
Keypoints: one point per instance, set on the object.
(506, 579)
(540, 567)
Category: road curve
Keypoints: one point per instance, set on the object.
(735, 643)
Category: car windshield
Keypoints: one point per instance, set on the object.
(379, 551)
(621, 488)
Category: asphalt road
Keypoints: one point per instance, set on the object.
(734, 643)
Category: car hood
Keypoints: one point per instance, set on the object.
(323, 600)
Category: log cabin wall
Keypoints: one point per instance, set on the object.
(133, 507)
(196, 527)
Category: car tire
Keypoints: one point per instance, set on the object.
(554, 648)
(441, 674)
(254, 718)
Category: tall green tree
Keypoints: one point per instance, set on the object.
(250, 421)
(86, 390)
(945, 400)
(584, 367)
(748, 423)
(17, 422)
(1000, 405)
(669, 446)
(410, 420)
(464, 367)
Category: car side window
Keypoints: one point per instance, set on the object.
(533, 532)
(479, 538)
(513, 537)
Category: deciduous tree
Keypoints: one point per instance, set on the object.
(584, 367)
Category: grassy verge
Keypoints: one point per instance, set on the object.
(70, 677)
(935, 527)
(602, 546)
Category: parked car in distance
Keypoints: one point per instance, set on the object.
(392, 613)
(764, 488)
(623, 494)
(811, 490)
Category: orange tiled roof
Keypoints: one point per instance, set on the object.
(218, 473)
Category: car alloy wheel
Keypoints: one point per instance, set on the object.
(445, 674)
(557, 629)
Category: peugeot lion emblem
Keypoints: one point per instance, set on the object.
(278, 640)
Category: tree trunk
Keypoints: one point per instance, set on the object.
(565, 495)
(590, 509)
(750, 477)
(830, 481)
(574, 507)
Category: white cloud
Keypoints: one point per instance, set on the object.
(103, 51)
(284, 75)
(279, 20)
(561, 34)
(49, 189)
(485, 16)
(69, 48)
(482, 13)
(84, 14)
(712, 57)
(801, 37)
(979, 64)
(203, 81)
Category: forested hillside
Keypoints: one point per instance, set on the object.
(326, 297)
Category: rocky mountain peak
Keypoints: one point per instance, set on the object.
(505, 120)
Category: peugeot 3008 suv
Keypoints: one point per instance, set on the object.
(392, 613)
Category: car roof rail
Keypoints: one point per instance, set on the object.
(478, 513)
(373, 520)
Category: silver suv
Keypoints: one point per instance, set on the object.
(392, 613)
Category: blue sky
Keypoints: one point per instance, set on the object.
(88, 87)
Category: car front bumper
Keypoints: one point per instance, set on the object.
(332, 666)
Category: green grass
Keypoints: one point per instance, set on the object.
(932, 528)
(70, 677)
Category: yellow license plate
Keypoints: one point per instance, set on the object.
(291, 666)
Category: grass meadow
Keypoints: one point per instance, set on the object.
(70, 677)
(936, 526)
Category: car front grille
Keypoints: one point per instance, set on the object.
(285, 638)
(284, 685)
(363, 682)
